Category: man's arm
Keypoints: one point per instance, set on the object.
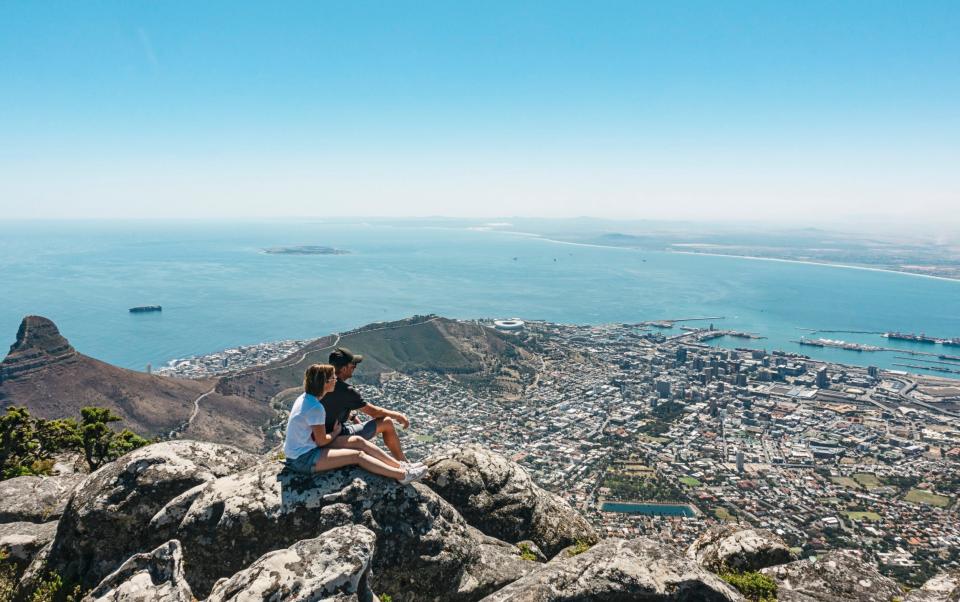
(377, 412)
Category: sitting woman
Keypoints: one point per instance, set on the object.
(307, 444)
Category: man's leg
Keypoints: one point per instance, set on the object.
(385, 427)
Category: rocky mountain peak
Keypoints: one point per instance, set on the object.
(39, 343)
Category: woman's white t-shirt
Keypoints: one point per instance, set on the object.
(306, 412)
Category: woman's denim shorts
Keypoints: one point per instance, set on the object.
(304, 463)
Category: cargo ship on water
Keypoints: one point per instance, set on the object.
(145, 308)
(837, 344)
(922, 338)
(906, 336)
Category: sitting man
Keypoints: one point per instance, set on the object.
(344, 399)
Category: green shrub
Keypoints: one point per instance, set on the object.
(755, 586)
(579, 547)
(8, 580)
(386, 598)
(526, 553)
(53, 589)
(28, 444)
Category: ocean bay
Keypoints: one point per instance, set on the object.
(219, 289)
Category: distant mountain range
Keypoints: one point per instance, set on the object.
(47, 375)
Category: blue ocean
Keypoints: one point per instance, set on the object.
(219, 289)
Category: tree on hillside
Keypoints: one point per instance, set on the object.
(58, 435)
(27, 445)
(18, 443)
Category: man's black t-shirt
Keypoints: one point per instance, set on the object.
(340, 402)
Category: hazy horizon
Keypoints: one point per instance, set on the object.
(814, 113)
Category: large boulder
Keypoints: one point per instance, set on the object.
(336, 564)
(155, 576)
(424, 549)
(21, 542)
(944, 587)
(617, 570)
(837, 575)
(499, 498)
(106, 520)
(36, 499)
(739, 549)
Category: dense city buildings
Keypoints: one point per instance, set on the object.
(664, 435)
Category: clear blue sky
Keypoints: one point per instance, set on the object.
(614, 109)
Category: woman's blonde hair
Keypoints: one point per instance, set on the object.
(316, 377)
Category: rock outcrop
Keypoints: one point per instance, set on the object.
(22, 541)
(334, 565)
(39, 344)
(424, 549)
(36, 499)
(183, 520)
(106, 519)
(944, 587)
(738, 549)
(499, 498)
(618, 570)
(155, 576)
(840, 575)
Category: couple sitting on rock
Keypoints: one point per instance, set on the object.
(320, 437)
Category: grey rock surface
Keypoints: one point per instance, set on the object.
(739, 549)
(617, 570)
(840, 575)
(944, 587)
(34, 573)
(337, 563)
(155, 576)
(499, 498)
(106, 520)
(36, 499)
(424, 549)
(21, 541)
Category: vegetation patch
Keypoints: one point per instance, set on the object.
(27, 444)
(690, 481)
(869, 481)
(755, 586)
(922, 496)
(578, 548)
(526, 553)
(724, 515)
(8, 577)
(846, 482)
(647, 488)
(868, 516)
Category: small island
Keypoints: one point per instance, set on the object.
(305, 250)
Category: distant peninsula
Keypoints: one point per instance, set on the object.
(305, 250)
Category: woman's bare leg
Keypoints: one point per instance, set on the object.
(358, 442)
(377, 467)
(338, 458)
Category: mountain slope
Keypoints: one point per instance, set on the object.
(47, 375)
